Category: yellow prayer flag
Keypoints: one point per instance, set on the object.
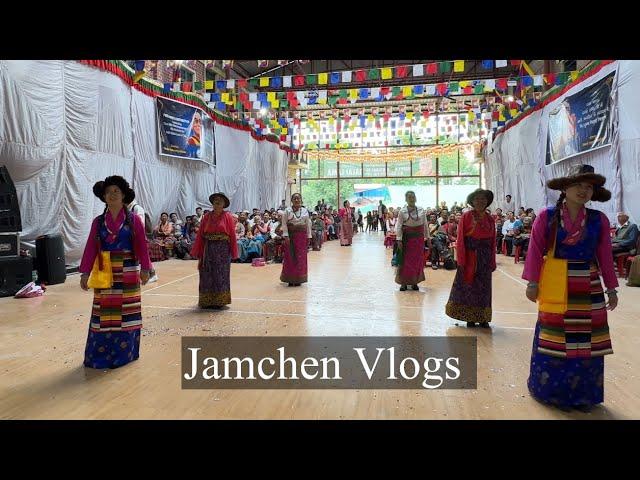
(275, 104)
(407, 91)
(463, 84)
(514, 112)
(264, 81)
(386, 73)
(458, 66)
(285, 130)
(472, 115)
(410, 115)
(208, 85)
(353, 93)
(322, 78)
(271, 96)
(322, 101)
(501, 117)
(573, 75)
(225, 97)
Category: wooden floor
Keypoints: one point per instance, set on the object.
(350, 292)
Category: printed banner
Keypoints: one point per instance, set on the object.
(581, 122)
(180, 129)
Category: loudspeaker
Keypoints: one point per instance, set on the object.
(10, 220)
(15, 273)
(50, 261)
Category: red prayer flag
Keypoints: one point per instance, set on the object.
(401, 71)
(432, 68)
(361, 75)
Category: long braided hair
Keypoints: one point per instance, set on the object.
(555, 223)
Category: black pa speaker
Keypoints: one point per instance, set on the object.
(15, 273)
(50, 260)
(10, 220)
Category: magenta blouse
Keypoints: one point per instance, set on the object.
(538, 244)
(140, 241)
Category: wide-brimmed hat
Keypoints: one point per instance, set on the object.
(583, 173)
(128, 193)
(222, 196)
(480, 191)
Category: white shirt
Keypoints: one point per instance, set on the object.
(507, 225)
(508, 206)
(299, 218)
(410, 221)
(138, 210)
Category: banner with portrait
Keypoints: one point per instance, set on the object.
(581, 122)
(181, 129)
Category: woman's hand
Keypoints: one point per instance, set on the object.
(144, 277)
(84, 281)
(532, 293)
(613, 301)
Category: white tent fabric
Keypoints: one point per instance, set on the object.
(64, 126)
(515, 163)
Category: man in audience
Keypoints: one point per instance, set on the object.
(507, 231)
(626, 235)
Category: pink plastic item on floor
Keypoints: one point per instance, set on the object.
(30, 290)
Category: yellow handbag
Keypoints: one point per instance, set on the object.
(101, 274)
(553, 287)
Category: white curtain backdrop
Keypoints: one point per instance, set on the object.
(515, 162)
(64, 126)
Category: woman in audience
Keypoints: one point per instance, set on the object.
(296, 230)
(215, 247)
(164, 234)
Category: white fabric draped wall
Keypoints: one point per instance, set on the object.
(64, 126)
(515, 163)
